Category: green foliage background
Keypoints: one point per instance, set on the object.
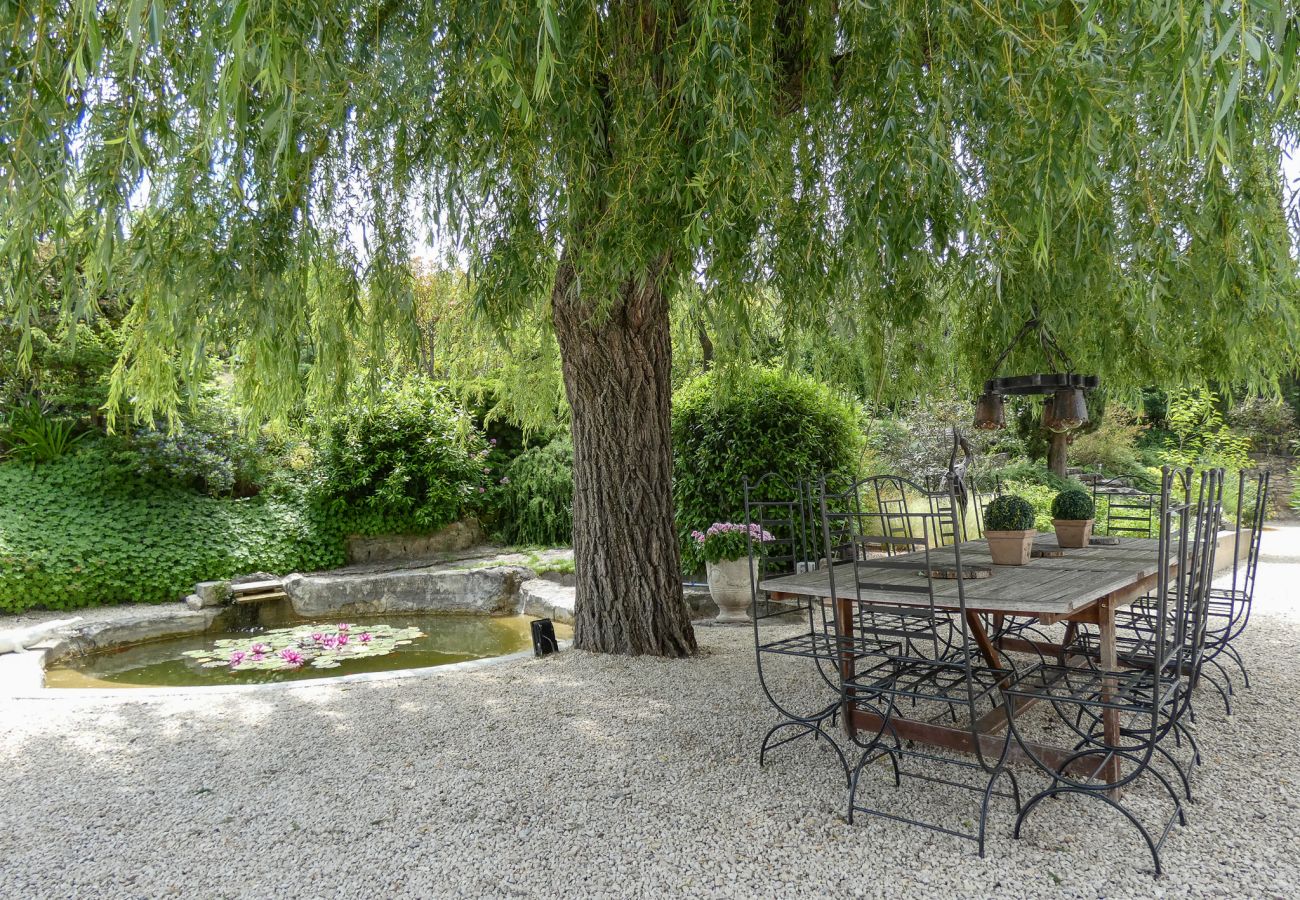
(533, 504)
(86, 530)
(730, 426)
(405, 461)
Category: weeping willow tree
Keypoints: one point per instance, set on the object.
(898, 173)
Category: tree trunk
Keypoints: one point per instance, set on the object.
(616, 376)
(1057, 444)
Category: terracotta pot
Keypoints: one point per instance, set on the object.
(1010, 548)
(730, 588)
(1073, 533)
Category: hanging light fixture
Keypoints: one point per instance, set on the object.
(990, 412)
(1065, 410)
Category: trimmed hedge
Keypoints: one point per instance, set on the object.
(1009, 513)
(754, 422)
(87, 530)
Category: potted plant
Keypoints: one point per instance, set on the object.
(1009, 529)
(725, 547)
(1072, 516)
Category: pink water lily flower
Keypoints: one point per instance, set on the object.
(237, 657)
(364, 637)
(343, 626)
(316, 636)
(343, 639)
(291, 656)
(259, 649)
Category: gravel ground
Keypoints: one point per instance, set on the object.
(590, 776)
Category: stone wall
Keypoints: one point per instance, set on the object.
(455, 537)
(491, 591)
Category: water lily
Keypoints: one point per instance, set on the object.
(364, 637)
(343, 626)
(343, 639)
(291, 656)
(316, 637)
(259, 649)
(237, 657)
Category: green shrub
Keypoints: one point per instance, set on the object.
(1009, 513)
(87, 530)
(1198, 436)
(1073, 505)
(730, 428)
(209, 452)
(533, 503)
(407, 461)
(1113, 446)
(33, 436)
(1269, 424)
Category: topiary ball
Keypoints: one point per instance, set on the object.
(1072, 505)
(1009, 513)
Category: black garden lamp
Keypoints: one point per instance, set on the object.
(990, 412)
(1064, 409)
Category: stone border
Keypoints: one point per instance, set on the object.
(29, 667)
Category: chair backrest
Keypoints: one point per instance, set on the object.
(1131, 505)
(1252, 510)
(892, 569)
(1188, 519)
(781, 507)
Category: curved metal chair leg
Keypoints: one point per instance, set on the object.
(1235, 655)
(808, 727)
(869, 756)
(1055, 791)
(1187, 785)
(1224, 695)
(988, 795)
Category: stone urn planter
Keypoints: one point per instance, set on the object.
(1073, 533)
(1009, 529)
(729, 587)
(1072, 517)
(1010, 548)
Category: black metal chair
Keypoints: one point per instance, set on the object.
(1228, 608)
(1230, 605)
(1130, 504)
(900, 647)
(784, 509)
(1123, 716)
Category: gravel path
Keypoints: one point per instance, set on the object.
(588, 776)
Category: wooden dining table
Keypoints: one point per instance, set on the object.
(1080, 586)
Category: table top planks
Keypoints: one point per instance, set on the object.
(1046, 587)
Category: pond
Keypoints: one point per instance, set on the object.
(300, 652)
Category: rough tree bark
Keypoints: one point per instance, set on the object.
(1057, 447)
(616, 374)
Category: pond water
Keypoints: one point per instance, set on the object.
(300, 652)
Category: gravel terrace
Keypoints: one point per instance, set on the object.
(590, 776)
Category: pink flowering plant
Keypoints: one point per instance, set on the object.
(317, 646)
(726, 541)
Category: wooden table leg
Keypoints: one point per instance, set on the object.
(1109, 663)
(976, 626)
(844, 629)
